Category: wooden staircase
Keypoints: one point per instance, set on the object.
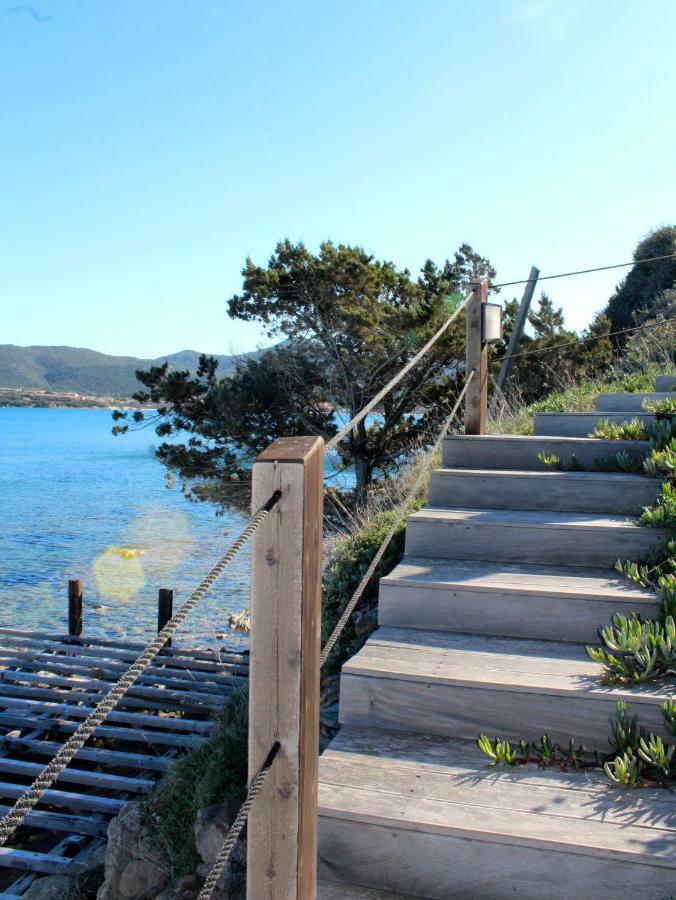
(508, 572)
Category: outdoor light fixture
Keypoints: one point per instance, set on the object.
(492, 322)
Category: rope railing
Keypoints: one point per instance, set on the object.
(224, 854)
(371, 405)
(392, 530)
(34, 792)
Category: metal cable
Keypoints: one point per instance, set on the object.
(587, 340)
(634, 262)
(401, 515)
(225, 852)
(11, 820)
(355, 420)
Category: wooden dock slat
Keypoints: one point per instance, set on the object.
(191, 663)
(113, 758)
(114, 669)
(51, 821)
(78, 776)
(48, 685)
(52, 797)
(200, 653)
(45, 863)
(133, 735)
(95, 693)
(192, 726)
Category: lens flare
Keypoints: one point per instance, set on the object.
(118, 575)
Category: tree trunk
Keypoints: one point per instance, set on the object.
(362, 466)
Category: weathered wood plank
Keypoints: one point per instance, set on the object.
(133, 735)
(70, 775)
(45, 863)
(99, 755)
(284, 688)
(51, 821)
(68, 799)
(165, 723)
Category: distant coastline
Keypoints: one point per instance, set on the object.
(41, 399)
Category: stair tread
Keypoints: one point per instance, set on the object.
(525, 517)
(611, 478)
(510, 664)
(518, 578)
(536, 440)
(420, 782)
(644, 395)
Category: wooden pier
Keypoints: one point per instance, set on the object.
(48, 685)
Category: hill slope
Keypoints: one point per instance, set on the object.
(86, 371)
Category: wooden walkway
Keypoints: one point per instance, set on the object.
(48, 685)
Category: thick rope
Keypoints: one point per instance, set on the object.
(11, 820)
(401, 515)
(371, 405)
(225, 852)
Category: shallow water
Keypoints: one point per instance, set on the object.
(76, 502)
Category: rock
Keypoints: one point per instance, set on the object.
(53, 887)
(141, 878)
(187, 886)
(134, 868)
(211, 829)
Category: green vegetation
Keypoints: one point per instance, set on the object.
(581, 396)
(636, 758)
(552, 355)
(552, 462)
(83, 371)
(662, 409)
(648, 288)
(213, 773)
(348, 323)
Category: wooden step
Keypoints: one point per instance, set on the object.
(464, 685)
(339, 890)
(423, 814)
(609, 492)
(509, 600)
(628, 402)
(665, 383)
(581, 424)
(526, 536)
(520, 451)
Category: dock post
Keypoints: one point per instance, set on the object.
(165, 607)
(284, 669)
(476, 359)
(75, 607)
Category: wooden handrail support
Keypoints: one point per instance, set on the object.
(476, 359)
(284, 669)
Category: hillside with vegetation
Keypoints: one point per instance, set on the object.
(62, 369)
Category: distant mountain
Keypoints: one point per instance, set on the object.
(86, 371)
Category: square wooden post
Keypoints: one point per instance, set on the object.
(476, 359)
(286, 570)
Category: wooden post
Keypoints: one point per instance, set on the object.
(75, 607)
(519, 325)
(476, 359)
(284, 669)
(165, 606)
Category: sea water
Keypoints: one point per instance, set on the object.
(77, 502)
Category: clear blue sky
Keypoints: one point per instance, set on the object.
(147, 147)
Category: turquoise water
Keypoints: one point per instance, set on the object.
(76, 502)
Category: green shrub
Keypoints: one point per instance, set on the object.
(635, 758)
(213, 773)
